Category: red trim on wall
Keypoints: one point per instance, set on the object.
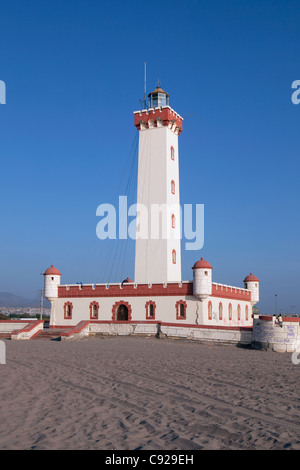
(143, 290)
(166, 115)
(227, 292)
(147, 304)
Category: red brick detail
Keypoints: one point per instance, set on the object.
(165, 115)
(180, 311)
(68, 310)
(220, 311)
(148, 311)
(115, 310)
(142, 290)
(209, 310)
(94, 312)
(227, 292)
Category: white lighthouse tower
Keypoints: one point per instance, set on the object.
(158, 241)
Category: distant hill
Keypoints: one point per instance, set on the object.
(8, 299)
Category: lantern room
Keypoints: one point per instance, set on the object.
(158, 98)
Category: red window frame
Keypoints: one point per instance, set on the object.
(172, 187)
(92, 305)
(179, 315)
(230, 312)
(172, 153)
(68, 310)
(147, 307)
(220, 311)
(209, 307)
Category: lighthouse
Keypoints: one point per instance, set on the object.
(158, 236)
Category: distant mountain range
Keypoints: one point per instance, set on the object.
(8, 299)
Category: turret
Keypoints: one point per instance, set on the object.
(202, 279)
(252, 283)
(51, 281)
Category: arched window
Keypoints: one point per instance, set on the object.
(173, 187)
(173, 220)
(94, 310)
(68, 308)
(150, 307)
(172, 153)
(209, 310)
(220, 311)
(180, 307)
(174, 256)
(121, 311)
(238, 312)
(230, 312)
(246, 312)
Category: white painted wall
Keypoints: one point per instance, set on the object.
(196, 313)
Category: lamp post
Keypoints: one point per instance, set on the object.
(276, 305)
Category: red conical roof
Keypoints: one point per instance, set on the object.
(202, 264)
(251, 278)
(52, 270)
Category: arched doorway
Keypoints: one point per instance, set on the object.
(122, 313)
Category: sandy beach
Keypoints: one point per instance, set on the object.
(129, 393)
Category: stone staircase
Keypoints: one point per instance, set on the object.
(48, 334)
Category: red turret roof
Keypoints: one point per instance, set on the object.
(52, 270)
(202, 264)
(251, 278)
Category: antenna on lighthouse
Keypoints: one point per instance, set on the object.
(145, 81)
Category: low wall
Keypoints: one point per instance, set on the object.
(171, 330)
(28, 331)
(268, 335)
(8, 326)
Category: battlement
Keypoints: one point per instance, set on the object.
(158, 117)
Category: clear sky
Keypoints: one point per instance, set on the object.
(74, 72)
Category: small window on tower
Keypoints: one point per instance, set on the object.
(52, 278)
(174, 256)
(173, 220)
(173, 187)
(206, 273)
(172, 153)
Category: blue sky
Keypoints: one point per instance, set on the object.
(74, 75)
